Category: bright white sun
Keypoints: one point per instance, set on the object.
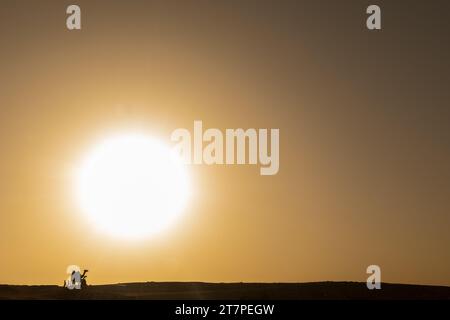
(132, 186)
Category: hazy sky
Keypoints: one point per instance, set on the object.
(364, 124)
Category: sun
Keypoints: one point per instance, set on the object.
(131, 186)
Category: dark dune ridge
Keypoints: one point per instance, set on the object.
(228, 291)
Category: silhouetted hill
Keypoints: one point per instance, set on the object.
(200, 290)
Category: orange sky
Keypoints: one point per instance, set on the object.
(364, 126)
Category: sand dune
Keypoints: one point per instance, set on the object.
(200, 290)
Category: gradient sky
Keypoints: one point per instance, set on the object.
(364, 124)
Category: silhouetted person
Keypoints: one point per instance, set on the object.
(76, 280)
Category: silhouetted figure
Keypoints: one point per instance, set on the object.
(76, 280)
(83, 279)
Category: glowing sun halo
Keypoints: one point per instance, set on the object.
(131, 186)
